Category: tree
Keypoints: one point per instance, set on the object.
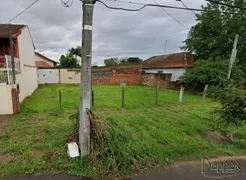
(233, 107)
(123, 61)
(134, 60)
(75, 51)
(113, 61)
(68, 61)
(213, 73)
(213, 35)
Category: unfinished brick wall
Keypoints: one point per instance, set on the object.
(115, 75)
(152, 80)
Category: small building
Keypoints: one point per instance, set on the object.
(166, 69)
(44, 62)
(25, 67)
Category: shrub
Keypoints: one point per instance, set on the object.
(213, 73)
(233, 106)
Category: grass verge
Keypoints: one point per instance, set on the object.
(140, 137)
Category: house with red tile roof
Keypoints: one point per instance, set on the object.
(44, 62)
(173, 65)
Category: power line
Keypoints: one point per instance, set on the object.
(129, 2)
(119, 8)
(172, 16)
(228, 5)
(164, 6)
(22, 12)
(186, 6)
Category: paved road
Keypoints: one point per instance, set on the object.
(191, 172)
(49, 176)
(180, 171)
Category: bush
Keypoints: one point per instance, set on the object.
(213, 73)
(233, 106)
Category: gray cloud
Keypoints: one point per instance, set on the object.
(55, 29)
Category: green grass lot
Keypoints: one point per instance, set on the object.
(139, 137)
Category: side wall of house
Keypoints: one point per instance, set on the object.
(39, 58)
(6, 100)
(176, 72)
(27, 78)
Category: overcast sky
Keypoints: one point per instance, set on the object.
(55, 28)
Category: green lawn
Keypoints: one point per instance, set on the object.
(143, 135)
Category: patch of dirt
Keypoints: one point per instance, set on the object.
(49, 155)
(5, 158)
(216, 137)
(37, 154)
(4, 119)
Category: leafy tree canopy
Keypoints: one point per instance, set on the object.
(75, 51)
(113, 61)
(213, 35)
(68, 61)
(134, 60)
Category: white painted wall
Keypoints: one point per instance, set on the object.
(48, 76)
(6, 100)
(176, 72)
(28, 78)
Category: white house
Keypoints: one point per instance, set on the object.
(26, 70)
(171, 64)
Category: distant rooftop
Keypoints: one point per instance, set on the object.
(176, 60)
(43, 56)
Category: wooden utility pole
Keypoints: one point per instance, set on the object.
(12, 53)
(85, 84)
(233, 56)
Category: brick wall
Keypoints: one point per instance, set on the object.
(115, 75)
(162, 80)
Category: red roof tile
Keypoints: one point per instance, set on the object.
(42, 64)
(177, 60)
(4, 29)
(43, 56)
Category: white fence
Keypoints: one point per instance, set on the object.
(48, 76)
(56, 76)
